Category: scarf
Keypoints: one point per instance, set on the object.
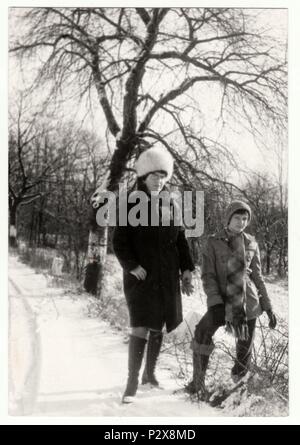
(236, 287)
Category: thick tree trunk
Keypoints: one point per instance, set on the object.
(96, 257)
(97, 251)
(98, 236)
(13, 226)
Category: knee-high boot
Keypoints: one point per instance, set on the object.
(135, 356)
(201, 355)
(153, 350)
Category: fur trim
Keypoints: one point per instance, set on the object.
(154, 159)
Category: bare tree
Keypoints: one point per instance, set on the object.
(58, 218)
(146, 66)
(31, 162)
(268, 201)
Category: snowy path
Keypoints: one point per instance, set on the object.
(63, 363)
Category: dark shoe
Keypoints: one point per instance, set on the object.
(190, 388)
(130, 391)
(200, 392)
(153, 350)
(135, 356)
(151, 380)
(200, 363)
(197, 385)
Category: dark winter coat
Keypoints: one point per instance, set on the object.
(214, 274)
(163, 252)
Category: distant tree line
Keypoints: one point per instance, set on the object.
(53, 171)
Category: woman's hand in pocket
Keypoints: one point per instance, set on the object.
(139, 272)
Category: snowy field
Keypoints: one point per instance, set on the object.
(68, 355)
(78, 367)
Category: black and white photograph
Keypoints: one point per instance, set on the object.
(148, 244)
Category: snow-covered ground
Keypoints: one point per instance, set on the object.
(64, 363)
(68, 353)
(265, 393)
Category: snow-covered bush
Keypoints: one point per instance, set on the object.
(36, 257)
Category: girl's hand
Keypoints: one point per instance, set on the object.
(139, 272)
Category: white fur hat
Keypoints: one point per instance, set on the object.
(154, 159)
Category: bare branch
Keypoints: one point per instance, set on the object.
(27, 199)
(144, 15)
(171, 95)
(100, 87)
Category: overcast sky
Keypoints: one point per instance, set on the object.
(252, 153)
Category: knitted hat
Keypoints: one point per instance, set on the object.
(234, 207)
(154, 159)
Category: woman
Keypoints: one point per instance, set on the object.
(152, 257)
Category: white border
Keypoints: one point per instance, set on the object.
(294, 232)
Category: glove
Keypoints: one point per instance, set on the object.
(272, 319)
